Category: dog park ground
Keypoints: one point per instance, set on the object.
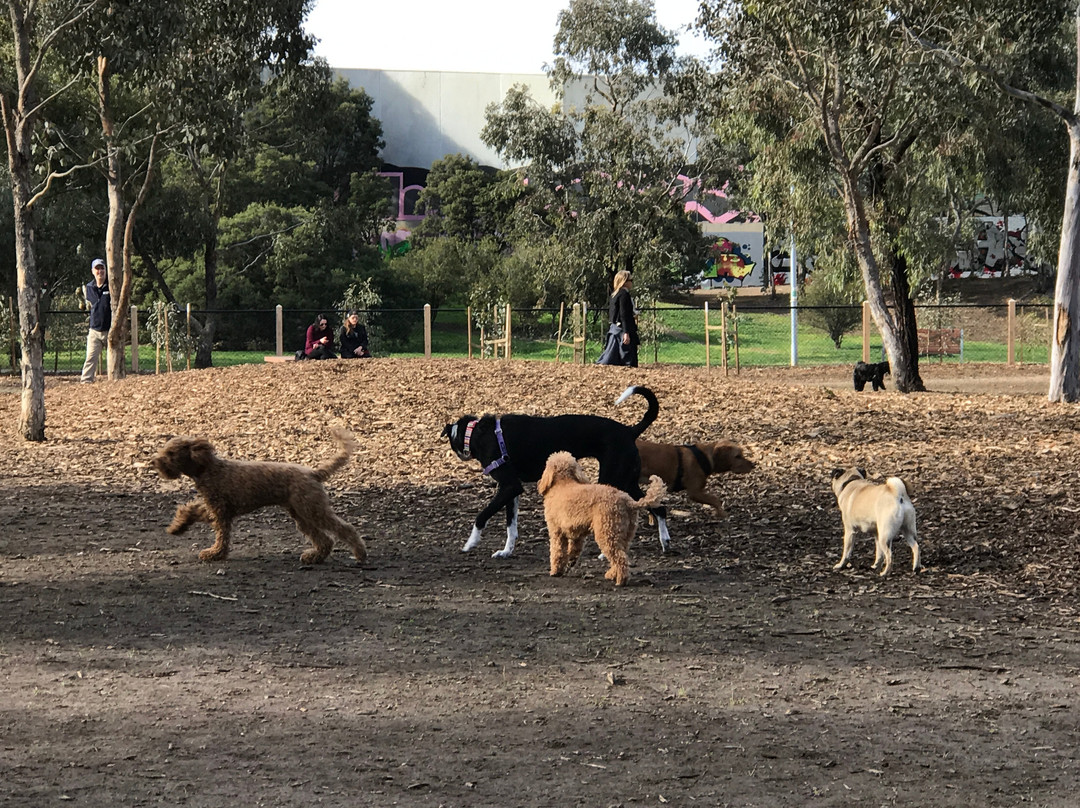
(741, 671)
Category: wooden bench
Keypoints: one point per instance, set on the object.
(289, 358)
(940, 341)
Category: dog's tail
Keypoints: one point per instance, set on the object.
(650, 414)
(898, 487)
(346, 445)
(656, 491)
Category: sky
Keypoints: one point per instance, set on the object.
(476, 36)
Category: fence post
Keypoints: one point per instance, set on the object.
(735, 335)
(708, 352)
(427, 331)
(279, 345)
(866, 331)
(584, 330)
(134, 339)
(509, 348)
(468, 328)
(723, 337)
(1010, 352)
(187, 344)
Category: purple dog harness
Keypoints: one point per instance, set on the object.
(490, 467)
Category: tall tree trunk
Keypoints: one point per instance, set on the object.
(859, 234)
(18, 112)
(204, 356)
(31, 328)
(114, 230)
(907, 333)
(1065, 349)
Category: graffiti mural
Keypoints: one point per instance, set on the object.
(728, 262)
(995, 252)
(736, 255)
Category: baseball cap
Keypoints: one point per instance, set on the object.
(96, 263)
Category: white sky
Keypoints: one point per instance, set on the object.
(484, 36)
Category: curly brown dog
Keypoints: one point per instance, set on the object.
(573, 507)
(229, 488)
(688, 467)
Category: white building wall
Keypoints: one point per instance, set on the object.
(427, 115)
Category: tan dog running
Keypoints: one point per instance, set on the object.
(574, 507)
(231, 488)
(688, 467)
(865, 506)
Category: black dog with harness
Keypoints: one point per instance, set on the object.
(513, 449)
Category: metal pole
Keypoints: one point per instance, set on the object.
(793, 279)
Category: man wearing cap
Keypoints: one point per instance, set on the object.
(97, 298)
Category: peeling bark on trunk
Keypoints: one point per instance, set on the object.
(1065, 350)
(114, 230)
(18, 116)
(31, 328)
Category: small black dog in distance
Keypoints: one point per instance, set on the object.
(874, 372)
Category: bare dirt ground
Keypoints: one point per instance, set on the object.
(740, 671)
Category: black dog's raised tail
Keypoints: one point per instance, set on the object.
(650, 414)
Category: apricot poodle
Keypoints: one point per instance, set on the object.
(574, 507)
(230, 488)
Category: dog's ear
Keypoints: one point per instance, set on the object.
(576, 471)
(446, 430)
(547, 479)
(862, 472)
(836, 473)
(201, 455)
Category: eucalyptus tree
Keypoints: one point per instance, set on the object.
(606, 173)
(238, 44)
(35, 29)
(308, 134)
(836, 81)
(1019, 50)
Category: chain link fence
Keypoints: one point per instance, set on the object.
(755, 335)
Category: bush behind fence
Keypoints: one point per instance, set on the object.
(756, 336)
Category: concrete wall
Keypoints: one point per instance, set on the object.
(428, 115)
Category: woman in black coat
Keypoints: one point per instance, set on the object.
(622, 344)
(353, 338)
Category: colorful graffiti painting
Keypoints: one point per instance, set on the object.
(728, 262)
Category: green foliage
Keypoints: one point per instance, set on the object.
(168, 332)
(459, 200)
(599, 191)
(446, 269)
(310, 135)
(833, 295)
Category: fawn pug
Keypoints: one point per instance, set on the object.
(865, 506)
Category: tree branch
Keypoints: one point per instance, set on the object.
(964, 62)
(56, 175)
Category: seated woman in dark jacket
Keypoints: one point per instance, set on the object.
(319, 343)
(353, 337)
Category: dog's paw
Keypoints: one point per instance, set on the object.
(176, 528)
(213, 554)
(502, 553)
(472, 541)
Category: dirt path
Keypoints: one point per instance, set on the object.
(742, 671)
